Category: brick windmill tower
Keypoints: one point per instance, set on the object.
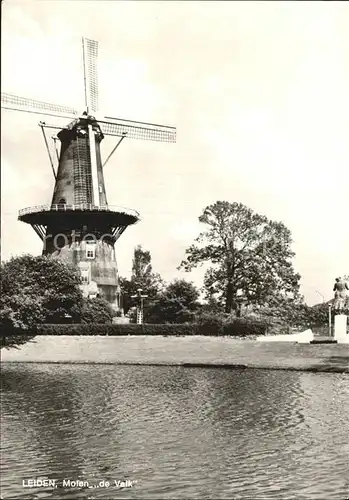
(79, 226)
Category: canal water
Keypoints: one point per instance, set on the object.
(173, 432)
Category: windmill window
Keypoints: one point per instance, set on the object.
(84, 276)
(90, 250)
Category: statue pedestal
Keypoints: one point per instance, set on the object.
(340, 328)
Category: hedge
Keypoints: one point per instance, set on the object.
(222, 325)
(117, 329)
(237, 327)
(242, 327)
(106, 329)
(208, 324)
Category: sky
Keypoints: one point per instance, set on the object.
(258, 92)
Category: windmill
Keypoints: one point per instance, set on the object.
(79, 226)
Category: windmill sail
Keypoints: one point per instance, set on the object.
(138, 130)
(90, 52)
(14, 102)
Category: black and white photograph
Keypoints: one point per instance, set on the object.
(174, 250)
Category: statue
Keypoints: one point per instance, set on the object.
(340, 294)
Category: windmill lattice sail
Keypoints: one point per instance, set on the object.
(90, 51)
(138, 130)
(16, 103)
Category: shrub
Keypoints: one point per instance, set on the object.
(242, 327)
(38, 290)
(228, 325)
(210, 324)
(177, 303)
(96, 311)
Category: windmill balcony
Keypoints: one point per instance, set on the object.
(44, 215)
(82, 207)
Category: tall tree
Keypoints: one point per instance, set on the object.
(250, 257)
(142, 271)
(142, 277)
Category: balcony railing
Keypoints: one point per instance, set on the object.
(81, 207)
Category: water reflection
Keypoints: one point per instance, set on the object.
(181, 433)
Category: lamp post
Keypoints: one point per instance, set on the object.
(140, 298)
(329, 320)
